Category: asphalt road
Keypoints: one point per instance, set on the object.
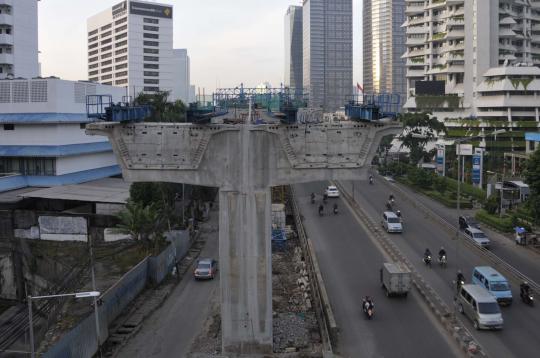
(519, 338)
(350, 262)
(170, 330)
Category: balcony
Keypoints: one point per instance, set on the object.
(6, 59)
(410, 9)
(412, 41)
(6, 19)
(6, 39)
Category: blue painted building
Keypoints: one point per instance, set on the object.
(42, 134)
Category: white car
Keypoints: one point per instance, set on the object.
(332, 192)
(477, 236)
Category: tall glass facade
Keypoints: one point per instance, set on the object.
(293, 48)
(327, 31)
(383, 46)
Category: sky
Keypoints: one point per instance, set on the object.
(229, 41)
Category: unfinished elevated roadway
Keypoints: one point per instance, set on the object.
(244, 161)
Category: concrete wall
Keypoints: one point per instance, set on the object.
(58, 228)
(66, 165)
(7, 278)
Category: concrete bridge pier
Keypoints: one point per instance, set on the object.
(246, 271)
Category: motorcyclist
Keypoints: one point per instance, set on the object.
(335, 209)
(442, 252)
(427, 253)
(371, 179)
(427, 257)
(321, 209)
(391, 198)
(367, 303)
(398, 213)
(459, 279)
(524, 288)
(312, 197)
(325, 197)
(389, 205)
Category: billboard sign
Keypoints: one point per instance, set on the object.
(464, 149)
(145, 9)
(441, 159)
(476, 168)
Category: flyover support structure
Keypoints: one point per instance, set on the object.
(244, 162)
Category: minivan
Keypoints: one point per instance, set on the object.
(494, 282)
(480, 306)
(391, 222)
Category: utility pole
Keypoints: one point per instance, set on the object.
(96, 311)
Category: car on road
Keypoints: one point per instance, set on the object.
(466, 222)
(494, 283)
(480, 306)
(391, 222)
(478, 237)
(332, 192)
(206, 269)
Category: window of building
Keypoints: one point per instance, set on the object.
(121, 43)
(95, 65)
(109, 83)
(121, 82)
(106, 27)
(151, 58)
(121, 51)
(106, 55)
(148, 81)
(28, 166)
(93, 79)
(122, 66)
(531, 144)
(121, 28)
(9, 126)
(120, 21)
(106, 77)
(150, 21)
(151, 43)
(151, 73)
(94, 45)
(107, 41)
(91, 33)
(92, 53)
(151, 89)
(93, 59)
(150, 36)
(150, 28)
(154, 66)
(105, 34)
(151, 50)
(107, 69)
(121, 36)
(106, 63)
(93, 73)
(93, 39)
(121, 58)
(121, 74)
(106, 48)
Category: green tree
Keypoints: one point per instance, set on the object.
(419, 130)
(491, 205)
(142, 223)
(162, 109)
(440, 184)
(420, 177)
(532, 176)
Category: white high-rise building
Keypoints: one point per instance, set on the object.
(293, 48)
(474, 64)
(328, 60)
(18, 39)
(131, 45)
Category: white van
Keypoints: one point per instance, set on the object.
(480, 306)
(391, 222)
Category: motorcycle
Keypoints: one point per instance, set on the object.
(370, 180)
(442, 261)
(335, 210)
(527, 297)
(367, 307)
(427, 260)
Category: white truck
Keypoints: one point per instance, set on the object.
(395, 279)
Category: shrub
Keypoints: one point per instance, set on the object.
(491, 205)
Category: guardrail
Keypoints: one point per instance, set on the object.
(452, 229)
(453, 325)
(329, 328)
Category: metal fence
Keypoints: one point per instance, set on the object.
(181, 241)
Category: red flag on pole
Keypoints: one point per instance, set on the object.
(360, 88)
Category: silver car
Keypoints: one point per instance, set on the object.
(477, 236)
(206, 269)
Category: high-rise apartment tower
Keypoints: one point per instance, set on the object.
(293, 48)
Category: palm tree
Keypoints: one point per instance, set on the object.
(142, 223)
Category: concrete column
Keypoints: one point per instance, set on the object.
(245, 264)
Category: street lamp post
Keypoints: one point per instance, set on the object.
(91, 294)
